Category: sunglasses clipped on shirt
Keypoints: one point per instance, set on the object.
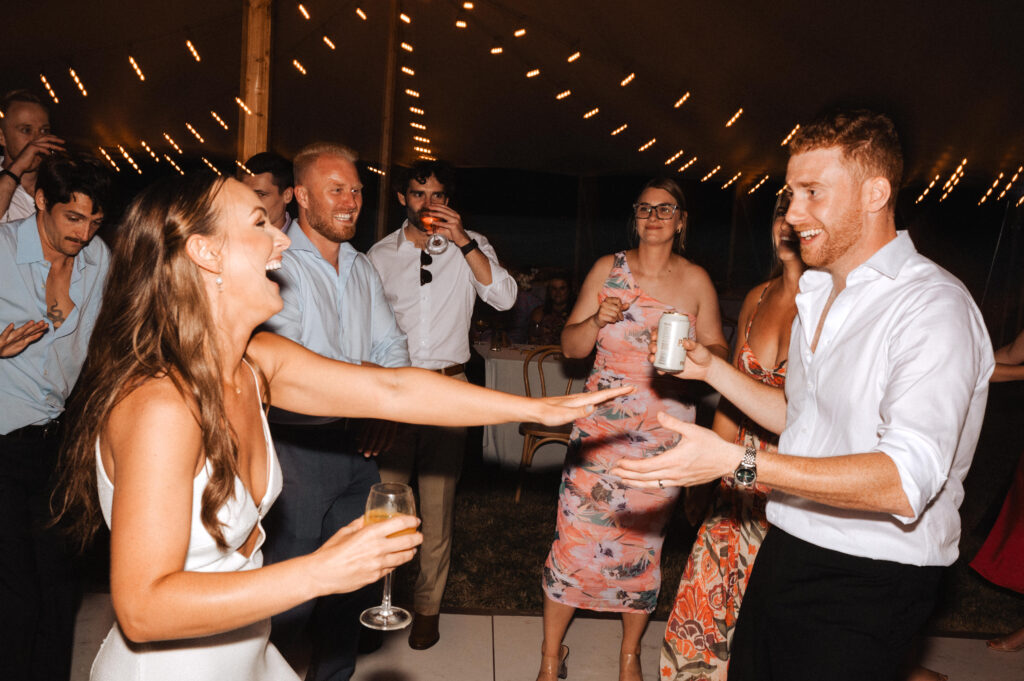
(425, 276)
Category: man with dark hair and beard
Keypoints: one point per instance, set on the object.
(334, 304)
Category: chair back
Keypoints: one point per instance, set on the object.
(538, 356)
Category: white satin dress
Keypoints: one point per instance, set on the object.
(242, 654)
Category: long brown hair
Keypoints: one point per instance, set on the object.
(154, 322)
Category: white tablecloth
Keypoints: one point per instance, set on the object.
(504, 371)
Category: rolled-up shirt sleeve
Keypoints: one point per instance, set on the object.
(930, 355)
(501, 292)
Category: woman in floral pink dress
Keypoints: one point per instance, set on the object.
(607, 549)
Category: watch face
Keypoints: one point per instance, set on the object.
(745, 476)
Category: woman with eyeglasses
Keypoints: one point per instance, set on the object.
(700, 627)
(607, 549)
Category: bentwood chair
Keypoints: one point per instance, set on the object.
(536, 435)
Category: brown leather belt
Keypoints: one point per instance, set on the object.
(453, 370)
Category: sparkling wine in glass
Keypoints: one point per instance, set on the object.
(388, 500)
(436, 243)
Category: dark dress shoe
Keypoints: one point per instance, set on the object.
(424, 631)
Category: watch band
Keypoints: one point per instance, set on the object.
(746, 473)
(470, 247)
(5, 171)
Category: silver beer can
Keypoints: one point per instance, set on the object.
(673, 328)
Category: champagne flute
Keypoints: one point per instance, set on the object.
(388, 500)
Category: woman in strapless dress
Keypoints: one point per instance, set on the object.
(171, 447)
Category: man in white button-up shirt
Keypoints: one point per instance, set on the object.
(887, 381)
(433, 298)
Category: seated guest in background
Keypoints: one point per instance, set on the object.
(171, 445)
(48, 262)
(608, 535)
(547, 320)
(26, 139)
(517, 320)
(273, 182)
(886, 385)
(334, 304)
(700, 627)
(433, 297)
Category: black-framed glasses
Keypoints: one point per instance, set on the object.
(664, 211)
(425, 276)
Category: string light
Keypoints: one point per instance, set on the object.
(174, 165)
(243, 107)
(304, 11)
(627, 80)
(407, 71)
(210, 165)
(783, 188)
(376, 170)
(563, 94)
(733, 179)
(192, 49)
(497, 49)
(329, 43)
(460, 23)
(648, 144)
(361, 13)
(735, 116)
(128, 158)
(1010, 183)
(520, 32)
(170, 140)
(299, 67)
(467, 5)
(673, 157)
(681, 101)
(244, 167)
(1020, 201)
(422, 150)
(135, 65)
(411, 93)
(427, 157)
(416, 110)
(49, 89)
(619, 129)
(146, 147)
(107, 156)
(591, 113)
(78, 82)
(418, 126)
(219, 120)
(709, 175)
(758, 185)
(687, 164)
(533, 73)
(407, 47)
(573, 57)
(195, 133)
(419, 138)
(790, 135)
(405, 18)
(926, 190)
(991, 189)
(953, 180)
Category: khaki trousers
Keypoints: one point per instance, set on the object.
(435, 455)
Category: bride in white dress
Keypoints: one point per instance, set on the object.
(171, 447)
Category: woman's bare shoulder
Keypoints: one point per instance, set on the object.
(153, 410)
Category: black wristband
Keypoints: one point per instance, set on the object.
(470, 247)
(5, 171)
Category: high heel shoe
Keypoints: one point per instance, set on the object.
(629, 667)
(551, 666)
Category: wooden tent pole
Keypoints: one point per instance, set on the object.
(255, 82)
(387, 125)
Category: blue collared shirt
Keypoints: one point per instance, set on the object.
(342, 315)
(35, 383)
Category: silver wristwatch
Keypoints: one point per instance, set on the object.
(746, 472)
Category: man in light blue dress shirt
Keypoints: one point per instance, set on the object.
(52, 274)
(334, 304)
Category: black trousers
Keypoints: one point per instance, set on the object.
(39, 578)
(811, 613)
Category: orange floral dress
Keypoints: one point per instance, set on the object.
(607, 550)
(699, 631)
